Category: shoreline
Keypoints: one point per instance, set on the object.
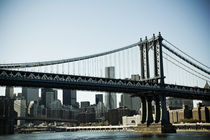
(179, 128)
(193, 130)
(177, 131)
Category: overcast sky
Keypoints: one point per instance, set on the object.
(37, 30)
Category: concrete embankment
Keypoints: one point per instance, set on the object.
(95, 128)
(73, 129)
(187, 127)
(193, 127)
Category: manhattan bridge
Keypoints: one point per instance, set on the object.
(164, 69)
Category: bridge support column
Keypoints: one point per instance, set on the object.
(143, 110)
(157, 109)
(147, 58)
(163, 126)
(142, 63)
(159, 125)
(164, 112)
(149, 117)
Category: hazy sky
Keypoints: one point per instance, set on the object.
(37, 30)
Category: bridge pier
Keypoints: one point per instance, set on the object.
(143, 110)
(157, 109)
(149, 117)
(160, 124)
(164, 112)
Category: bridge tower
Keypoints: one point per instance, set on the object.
(160, 123)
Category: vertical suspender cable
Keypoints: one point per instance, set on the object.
(119, 58)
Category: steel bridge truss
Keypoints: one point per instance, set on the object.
(137, 88)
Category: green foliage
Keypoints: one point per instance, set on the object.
(106, 123)
(83, 124)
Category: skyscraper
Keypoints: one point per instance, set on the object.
(69, 97)
(9, 92)
(132, 103)
(48, 95)
(207, 103)
(30, 94)
(99, 98)
(110, 98)
(51, 96)
(20, 108)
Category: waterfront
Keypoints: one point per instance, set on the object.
(87, 135)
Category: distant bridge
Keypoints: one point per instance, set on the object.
(46, 119)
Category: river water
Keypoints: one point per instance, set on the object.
(85, 135)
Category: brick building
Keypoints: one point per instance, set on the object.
(87, 114)
(114, 116)
(86, 117)
(178, 115)
(201, 113)
(7, 115)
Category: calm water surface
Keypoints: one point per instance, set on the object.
(108, 136)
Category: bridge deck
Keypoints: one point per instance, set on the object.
(137, 88)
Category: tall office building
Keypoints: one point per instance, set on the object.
(206, 103)
(51, 96)
(132, 103)
(110, 98)
(30, 94)
(20, 108)
(9, 92)
(48, 95)
(69, 97)
(99, 98)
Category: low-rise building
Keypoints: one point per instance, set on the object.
(201, 113)
(177, 103)
(42, 111)
(85, 104)
(87, 117)
(87, 114)
(196, 112)
(114, 116)
(178, 115)
(7, 115)
(131, 120)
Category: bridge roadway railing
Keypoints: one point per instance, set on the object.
(61, 81)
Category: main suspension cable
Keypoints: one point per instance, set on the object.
(45, 63)
(186, 60)
(185, 69)
(186, 53)
(186, 65)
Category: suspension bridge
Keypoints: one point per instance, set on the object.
(164, 69)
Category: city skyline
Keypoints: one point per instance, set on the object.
(108, 68)
(38, 25)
